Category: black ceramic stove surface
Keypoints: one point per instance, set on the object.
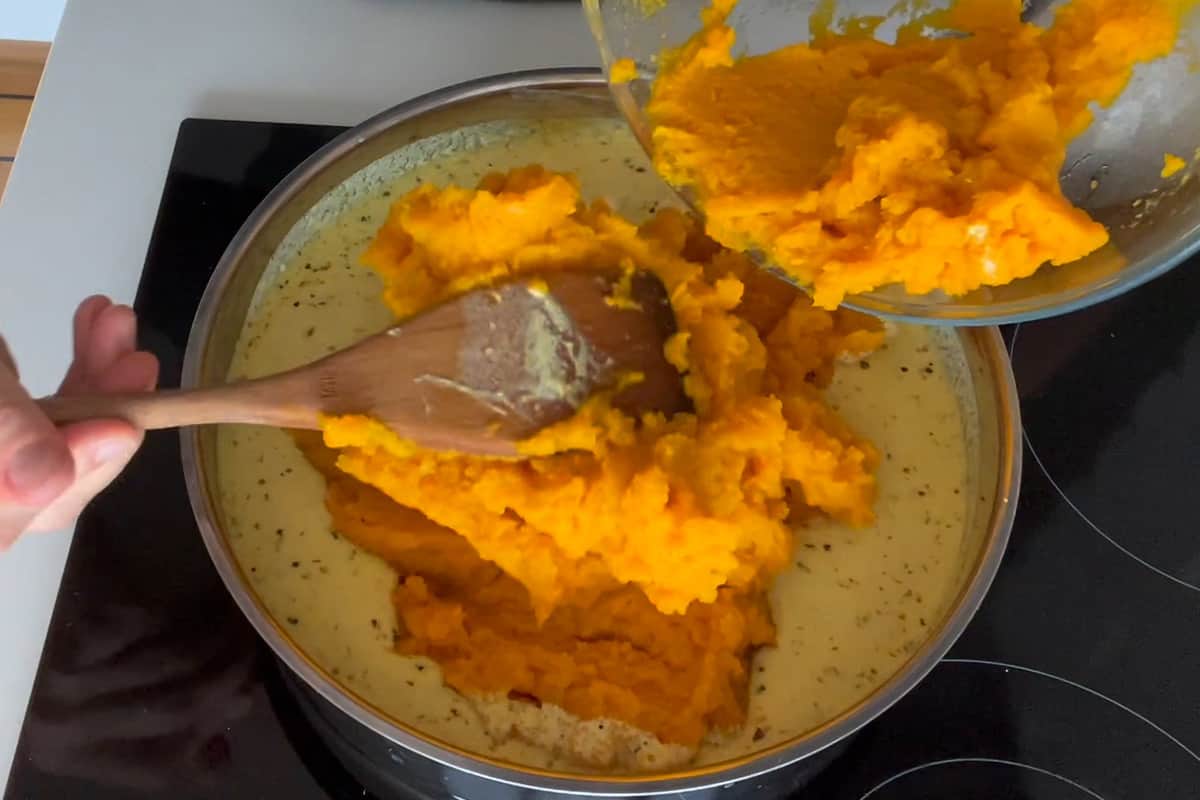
(1078, 679)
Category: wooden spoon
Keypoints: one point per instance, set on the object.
(475, 374)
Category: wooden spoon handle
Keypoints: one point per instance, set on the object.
(252, 402)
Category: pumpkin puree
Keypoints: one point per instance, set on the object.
(931, 162)
(603, 653)
(620, 569)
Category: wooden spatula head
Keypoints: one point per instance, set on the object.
(493, 366)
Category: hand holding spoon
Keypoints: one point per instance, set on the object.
(475, 374)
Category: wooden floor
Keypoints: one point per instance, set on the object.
(20, 70)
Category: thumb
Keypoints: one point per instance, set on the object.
(36, 464)
(101, 448)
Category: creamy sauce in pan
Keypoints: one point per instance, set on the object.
(851, 609)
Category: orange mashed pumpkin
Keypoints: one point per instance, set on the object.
(932, 163)
(603, 653)
(619, 570)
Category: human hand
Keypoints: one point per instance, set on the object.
(48, 474)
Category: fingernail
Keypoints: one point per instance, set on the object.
(35, 464)
(110, 450)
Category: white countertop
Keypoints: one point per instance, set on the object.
(77, 214)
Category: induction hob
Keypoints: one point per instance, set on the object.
(1079, 678)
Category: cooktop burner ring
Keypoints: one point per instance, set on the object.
(996, 762)
(1072, 741)
(1089, 690)
(1079, 512)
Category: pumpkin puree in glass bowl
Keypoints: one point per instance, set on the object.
(932, 162)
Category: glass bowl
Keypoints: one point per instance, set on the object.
(1112, 170)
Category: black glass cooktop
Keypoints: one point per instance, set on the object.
(1079, 678)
